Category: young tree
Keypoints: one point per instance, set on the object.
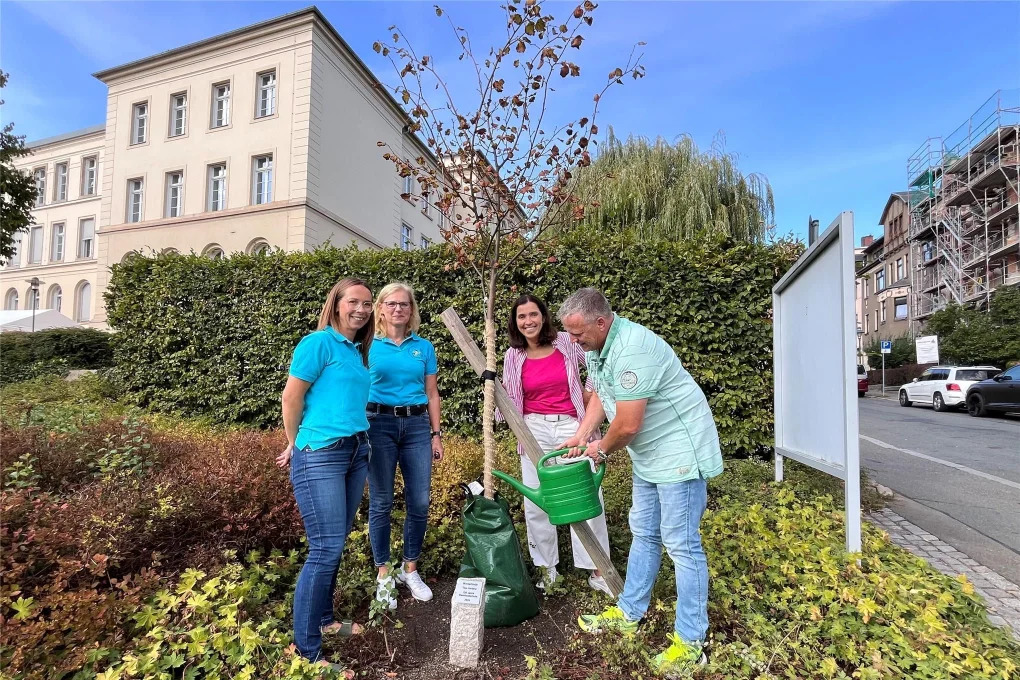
(17, 189)
(502, 161)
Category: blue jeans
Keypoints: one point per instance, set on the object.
(668, 515)
(404, 441)
(328, 486)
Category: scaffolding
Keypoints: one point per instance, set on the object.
(964, 202)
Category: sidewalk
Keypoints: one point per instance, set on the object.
(891, 391)
(1001, 596)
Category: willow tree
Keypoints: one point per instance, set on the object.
(659, 190)
(502, 155)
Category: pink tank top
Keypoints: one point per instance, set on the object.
(544, 384)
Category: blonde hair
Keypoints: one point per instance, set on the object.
(328, 315)
(389, 289)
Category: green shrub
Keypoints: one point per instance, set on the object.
(971, 337)
(214, 338)
(52, 352)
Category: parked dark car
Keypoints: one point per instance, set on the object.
(862, 381)
(999, 394)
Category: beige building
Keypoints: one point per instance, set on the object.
(265, 137)
(883, 276)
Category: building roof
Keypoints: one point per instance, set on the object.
(903, 196)
(67, 136)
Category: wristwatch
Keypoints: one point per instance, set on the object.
(437, 433)
(603, 456)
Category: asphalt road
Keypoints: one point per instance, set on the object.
(955, 476)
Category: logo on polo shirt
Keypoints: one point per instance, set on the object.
(628, 380)
(416, 353)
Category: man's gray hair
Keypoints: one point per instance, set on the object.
(590, 303)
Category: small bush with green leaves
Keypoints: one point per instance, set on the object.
(52, 352)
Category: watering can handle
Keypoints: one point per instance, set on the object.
(599, 473)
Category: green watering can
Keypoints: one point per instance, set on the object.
(567, 493)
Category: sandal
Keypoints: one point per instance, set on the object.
(345, 629)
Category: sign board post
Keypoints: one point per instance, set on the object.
(927, 347)
(815, 366)
(886, 349)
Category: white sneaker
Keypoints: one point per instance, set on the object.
(599, 583)
(412, 580)
(550, 577)
(386, 590)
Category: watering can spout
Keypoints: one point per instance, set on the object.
(533, 495)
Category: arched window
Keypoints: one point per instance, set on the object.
(55, 298)
(32, 298)
(83, 302)
(169, 251)
(213, 252)
(11, 299)
(259, 246)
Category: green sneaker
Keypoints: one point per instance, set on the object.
(679, 657)
(611, 619)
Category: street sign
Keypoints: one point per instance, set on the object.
(887, 347)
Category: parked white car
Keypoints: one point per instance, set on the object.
(944, 387)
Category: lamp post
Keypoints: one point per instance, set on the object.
(34, 284)
(860, 349)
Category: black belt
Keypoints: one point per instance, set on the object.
(397, 410)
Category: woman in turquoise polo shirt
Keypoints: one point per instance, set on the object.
(403, 416)
(328, 451)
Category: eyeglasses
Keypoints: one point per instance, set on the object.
(396, 305)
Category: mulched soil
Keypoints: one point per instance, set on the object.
(419, 649)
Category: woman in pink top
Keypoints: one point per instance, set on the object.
(541, 374)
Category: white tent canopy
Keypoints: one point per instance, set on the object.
(21, 320)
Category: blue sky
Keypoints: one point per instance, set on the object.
(826, 99)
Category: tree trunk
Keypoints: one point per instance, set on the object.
(489, 405)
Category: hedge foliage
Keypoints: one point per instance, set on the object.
(25, 355)
(198, 337)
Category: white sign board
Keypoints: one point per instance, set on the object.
(815, 368)
(469, 591)
(927, 349)
(887, 347)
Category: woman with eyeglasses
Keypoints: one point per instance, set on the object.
(328, 452)
(403, 416)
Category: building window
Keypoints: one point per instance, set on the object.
(867, 328)
(56, 297)
(86, 239)
(32, 299)
(265, 104)
(11, 299)
(139, 123)
(40, 186)
(178, 114)
(88, 175)
(217, 187)
(213, 252)
(881, 307)
(442, 217)
(174, 194)
(927, 251)
(425, 242)
(901, 308)
(426, 206)
(408, 185)
(220, 105)
(57, 242)
(258, 247)
(60, 190)
(15, 259)
(262, 180)
(880, 280)
(134, 200)
(83, 302)
(876, 319)
(406, 234)
(35, 245)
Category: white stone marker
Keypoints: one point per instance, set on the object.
(467, 622)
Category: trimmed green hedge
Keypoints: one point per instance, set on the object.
(26, 355)
(214, 338)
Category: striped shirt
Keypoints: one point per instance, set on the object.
(513, 366)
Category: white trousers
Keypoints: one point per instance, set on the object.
(551, 431)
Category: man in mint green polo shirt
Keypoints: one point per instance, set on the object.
(661, 417)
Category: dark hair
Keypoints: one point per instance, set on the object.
(545, 336)
(330, 312)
